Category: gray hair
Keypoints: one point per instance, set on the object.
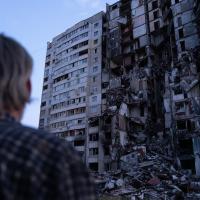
(15, 70)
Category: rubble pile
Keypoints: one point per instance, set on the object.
(148, 174)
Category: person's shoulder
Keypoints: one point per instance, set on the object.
(34, 136)
(46, 136)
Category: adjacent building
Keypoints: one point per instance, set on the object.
(72, 82)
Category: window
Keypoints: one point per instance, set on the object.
(105, 85)
(96, 59)
(94, 98)
(156, 14)
(94, 90)
(107, 150)
(182, 43)
(42, 112)
(95, 33)
(46, 73)
(180, 107)
(43, 104)
(79, 143)
(103, 96)
(181, 124)
(93, 151)
(47, 64)
(95, 51)
(96, 25)
(95, 68)
(45, 87)
(82, 89)
(142, 110)
(93, 166)
(154, 5)
(80, 121)
(180, 32)
(176, 1)
(93, 109)
(41, 123)
(94, 79)
(82, 70)
(179, 21)
(94, 137)
(60, 78)
(81, 53)
(156, 25)
(45, 79)
(96, 41)
(114, 7)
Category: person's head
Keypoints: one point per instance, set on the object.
(15, 72)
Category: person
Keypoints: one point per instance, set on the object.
(34, 165)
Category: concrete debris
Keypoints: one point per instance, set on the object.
(146, 173)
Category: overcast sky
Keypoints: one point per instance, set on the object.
(34, 23)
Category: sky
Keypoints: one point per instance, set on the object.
(35, 22)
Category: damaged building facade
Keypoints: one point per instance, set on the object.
(153, 92)
(141, 85)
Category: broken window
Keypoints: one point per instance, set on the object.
(106, 150)
(156, 14)
(140, 84)
(154, 5)
(114, 7)
(156, 25)
(181, 125)
(105, 85)
(180, 107)
(93, 122)
(93, 166)
(107, 167)
(108, 135)
(142, 110)
(178, 90)
(71, 133)
(104, 96)
(180, 32)
(182, 43)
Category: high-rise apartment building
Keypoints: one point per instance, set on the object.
(118, 79)
(72, 83)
